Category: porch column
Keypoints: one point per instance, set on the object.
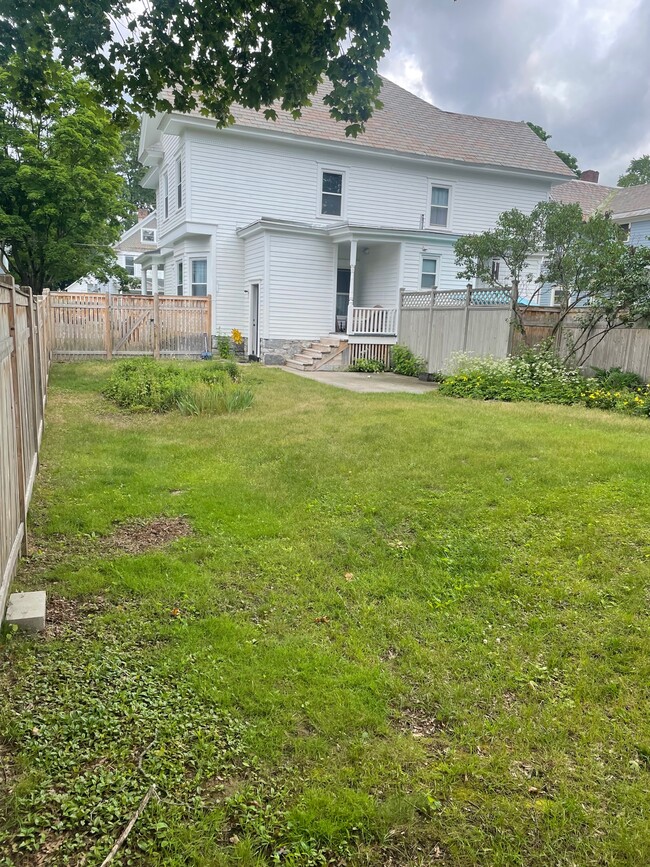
(143, 279)
(155, 282)
(353, 268)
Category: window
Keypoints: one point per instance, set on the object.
(495, 270)
(558, 297)
(179, 183)
(148, 236)
(429, 273)
(199, 276)
(439, 206)
(165, 194)
(179, 278)
(625, 227)
(331, 204)
(129, 265)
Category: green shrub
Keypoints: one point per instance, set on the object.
(224, 346)
(145, 385)
(405, 362)
(367, 365)
(616, 378)
(537, 374)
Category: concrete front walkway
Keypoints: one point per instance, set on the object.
(367, 383)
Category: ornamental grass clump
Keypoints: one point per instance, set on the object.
(145, 385)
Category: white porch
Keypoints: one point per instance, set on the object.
(367, 290)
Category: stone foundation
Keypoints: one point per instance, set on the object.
(279, 351)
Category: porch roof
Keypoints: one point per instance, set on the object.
(344, 231)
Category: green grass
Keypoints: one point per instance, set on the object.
(412, 630)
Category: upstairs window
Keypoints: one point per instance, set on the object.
(148, 236)
(429, 274)
(129, 265)
(439, 215)
(165, 194)
(495, 270)
(179, 183)
(331, 194)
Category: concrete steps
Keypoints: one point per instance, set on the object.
(317, 354)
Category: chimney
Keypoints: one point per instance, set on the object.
(142, 213)
(590, 176)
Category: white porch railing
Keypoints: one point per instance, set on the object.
(377, 321)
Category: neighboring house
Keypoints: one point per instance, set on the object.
(628, 206)
(298, 232)
(137, 240)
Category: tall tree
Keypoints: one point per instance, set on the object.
(61, 201)
(568, 159)
(132, 170)
(209, 54)
(638, 172)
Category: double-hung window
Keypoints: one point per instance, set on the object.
(148, 236)
(199, 276)
(429, 273)
(179, 278)
(439, 215)
(331, 193)
(129, 265)
(179, 183)
(165, 194)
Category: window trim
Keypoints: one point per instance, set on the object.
(165, 194)
(192, 284)
(445, 185)
(179, 182)
(333, 170)
(435, 258)
(180, 278)
(554, 291)
(146, 240)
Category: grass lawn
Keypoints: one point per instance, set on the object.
(404, 630)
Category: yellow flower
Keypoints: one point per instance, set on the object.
(237, 336)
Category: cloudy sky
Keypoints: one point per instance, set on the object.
(580, 68)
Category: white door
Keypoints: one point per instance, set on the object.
(254, 330)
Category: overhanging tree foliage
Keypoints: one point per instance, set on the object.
(61, 201)
(638, 172)
(603, 283)
(568, 159)
(212, 53)
(131, 169)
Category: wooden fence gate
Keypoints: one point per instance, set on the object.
(99, 325)
(24, 370)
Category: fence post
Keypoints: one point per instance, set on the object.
(18, 425)
(468, 301)
(208, 314)
(34, 368)
(156, 326)
(432, 301)
(108, 327)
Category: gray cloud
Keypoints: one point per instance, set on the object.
(580, 68)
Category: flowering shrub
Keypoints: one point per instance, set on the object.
(539, 375)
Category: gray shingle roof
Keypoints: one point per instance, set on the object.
(410, 125)
(589, 196)
(596, 197)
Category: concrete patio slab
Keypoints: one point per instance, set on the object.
(367, 383)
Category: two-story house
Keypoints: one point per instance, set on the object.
(298, 231)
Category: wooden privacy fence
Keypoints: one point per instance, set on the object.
(99, 325)
(435, 324)
(24, 368)
(628, 348)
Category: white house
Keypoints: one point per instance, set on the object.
(299, 232)
(139, 239)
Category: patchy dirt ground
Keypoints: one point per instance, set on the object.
(136, 537)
